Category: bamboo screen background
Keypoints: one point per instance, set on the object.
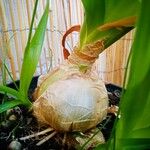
(15, 18)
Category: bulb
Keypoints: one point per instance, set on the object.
(75, 102)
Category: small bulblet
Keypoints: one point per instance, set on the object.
(74, 103)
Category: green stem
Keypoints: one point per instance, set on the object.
(11, 76)
(32, 21)
(3, 74)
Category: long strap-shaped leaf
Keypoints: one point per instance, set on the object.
(32, 53)
(103, 18)
(132, 130)
(31, 57)
(9, 91)
(137, 96)
(9, 104)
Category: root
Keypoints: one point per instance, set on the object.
(46, 138)
(64, 139)
(37, 134)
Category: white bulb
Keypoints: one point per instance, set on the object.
(76, 102)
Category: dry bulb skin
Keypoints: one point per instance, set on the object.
(70, 99)
(87, 55)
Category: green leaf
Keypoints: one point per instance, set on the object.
(101, 147)
(141, 132)
(135, 143)
(32, 21)
(132, 130)
(9, 74)
(9, 104)
(119, 10)
(110, 14)
(94, 16)
(9, 91)
(32, 53)
(16, 95)
(136, 100)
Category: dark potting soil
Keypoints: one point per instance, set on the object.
(19, 122)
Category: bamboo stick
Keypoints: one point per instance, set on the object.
(108, 64)
(49, 38)
(6, 39)
(23, 35)
(25, 18)
(52, 14)
(70, 22)
(51, 50)
(64, 14)
(28, 12)
(3, 54)
(1, 46)
(29, 7)
(52, 33)
(59, 25)
(0, 63)
(119, 54)
(127, 47)
(48, 44)
(125, 56)
(15, 36)
(78, 8)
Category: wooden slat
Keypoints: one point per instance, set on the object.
(13, 19)
(119, 52)
(48, 45)
(116, 59)
(59, 27)
(109, 64)
(28, 11)
(64, 14)
(6, 39)
(78, 14)
(23, 35)
(70, 22)
(52, 34)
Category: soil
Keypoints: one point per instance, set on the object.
(19, 122)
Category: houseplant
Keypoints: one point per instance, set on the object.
(100, 25)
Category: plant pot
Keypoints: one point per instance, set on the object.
(20, 122)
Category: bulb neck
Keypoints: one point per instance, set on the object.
(86, 56)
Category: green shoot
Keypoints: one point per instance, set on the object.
(30, 60)
(107, 20)
(32, 54)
